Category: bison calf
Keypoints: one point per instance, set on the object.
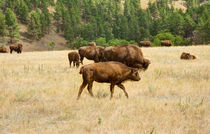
(111, 72)
(3, 49)
(16, 47)
(73, 57)
(187, 56)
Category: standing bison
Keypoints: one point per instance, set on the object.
(187, 56)
(145, 43)
(166, 43)
(91, 52)
(131, 55)
(73, 57)
(16, 47)
(3, 49)
(111, 72)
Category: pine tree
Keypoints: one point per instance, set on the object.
(12, 25)
(2, 24)
(34, 26)
(22, 11)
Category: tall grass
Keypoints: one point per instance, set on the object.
(38, 93)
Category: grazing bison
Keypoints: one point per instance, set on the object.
(145, 43)
(92, 53)
(3, 49)
(166, 43)
(73, 57)
(111, 72)
(16, 47)
(92, 44)
(131, 55)
(187, 56)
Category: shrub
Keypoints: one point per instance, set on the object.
(101, 42)
(78, 42)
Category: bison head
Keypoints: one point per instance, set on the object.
(134, 75)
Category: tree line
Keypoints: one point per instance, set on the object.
(107, 22)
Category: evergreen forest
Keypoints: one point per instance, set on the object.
(107, 22)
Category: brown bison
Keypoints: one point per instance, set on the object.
(166, 43)
(111, 72)
(187, 56)
(73, 57)
(92, 44)
(91, 52)
(145, 43)
(3, 49)
(16, 47)
(131, 55)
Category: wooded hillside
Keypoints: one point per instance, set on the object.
(105, 21)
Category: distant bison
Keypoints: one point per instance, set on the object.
(111, 72)
(73, 57)
(166, 43)
(92, 44)
(91, 52)
(187, 56)
(131, 55)
(16, 47)
(145, 43)
(3, 49)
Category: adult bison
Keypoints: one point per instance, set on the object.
(91, 52)
(187, 56)
(16, 47)
(166, 43)
(131, 55)
(74, 57)
(145, 43)
(111, 72)
(3, 49)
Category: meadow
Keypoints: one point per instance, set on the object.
(38, 92)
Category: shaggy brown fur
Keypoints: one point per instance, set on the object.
(145, 43)
(92, 44)
(187, 56)
(3, 49)
(111, 72)
(73, 57)
(166, 43)
(91, 52)
(16, 47)
(131, 55)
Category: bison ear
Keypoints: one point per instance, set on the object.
(133, 70)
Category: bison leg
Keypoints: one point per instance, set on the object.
(81, 89)
(74, 63)
(123, 88)
(112, 90)
(81, 59)
(11, 51)
(70, 63)
(90, 85)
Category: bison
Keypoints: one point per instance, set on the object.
(131, 55)
(111, 72)
(74, 57)
(166, 43)
(187, 56)
(3, 49)
(145, 43)
(16, 47)
(91, 52)
(92, 44)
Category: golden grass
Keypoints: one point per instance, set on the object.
(38, 94)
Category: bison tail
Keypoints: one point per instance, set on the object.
(81, 70)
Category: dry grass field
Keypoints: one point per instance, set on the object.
(38, 94)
